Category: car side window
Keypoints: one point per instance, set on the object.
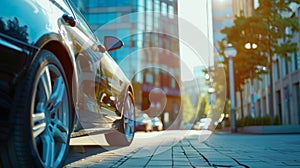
(82, 21)
(62, 6)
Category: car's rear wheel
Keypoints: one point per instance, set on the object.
(43, 116)
(125, 133)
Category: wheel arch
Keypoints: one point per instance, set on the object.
(64, 56)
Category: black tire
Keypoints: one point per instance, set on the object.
(43, 115)
(122, 137)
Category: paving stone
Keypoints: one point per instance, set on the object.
(160, 163)
(181, 163)
(158, 166)
(161, 158)
(261, 165)
(135, 162)
(193, 155)
(222, 163)
(294, 163)
(181, 159)
(196, 161)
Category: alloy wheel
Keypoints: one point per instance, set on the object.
(50, 118)
(129, 118)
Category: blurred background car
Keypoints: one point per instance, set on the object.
(203, 124)
(157, 124)
(143, 122)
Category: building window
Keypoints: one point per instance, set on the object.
(297, 98)
(298, 13)
(141, 5)
(149, 5)
(175, 108)
(164, 9)
(173, 83)
(287, 104)
(257, 85)
(149, 78)
(149, 14)
(263, 81)
(296, 61)
(287, 67)
(157, 6)
(166, 117)
(259, 108)
(284, 67)
(249, 109)
(264, 106)
(276, 70)
(171, 11)
(278, 102)
(104, 3)
(139, 40)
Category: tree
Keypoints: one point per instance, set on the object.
(202, 108)
(14, 29)
(245, 30)
(189, 113)
(275, 19)
(267, 29)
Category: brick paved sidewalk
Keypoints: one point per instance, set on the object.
(220, 150)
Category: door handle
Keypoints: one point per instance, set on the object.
(69, 20)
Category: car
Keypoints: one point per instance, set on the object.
(203, 124)
(55, 74)
(157, 124)
(143, 122)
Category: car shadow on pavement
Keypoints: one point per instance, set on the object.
(79, 152)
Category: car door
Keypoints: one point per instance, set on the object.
(99, 89)
(116, 86)
(88, 56)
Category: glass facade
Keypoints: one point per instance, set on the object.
(105, 3)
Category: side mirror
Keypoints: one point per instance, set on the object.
(112, 43)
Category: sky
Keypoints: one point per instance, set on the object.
(195, 13)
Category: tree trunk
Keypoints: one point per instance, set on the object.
(242, 104)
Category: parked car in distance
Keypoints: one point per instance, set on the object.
(157, 124)
(203, 124)
(143, 122)
(54, 72)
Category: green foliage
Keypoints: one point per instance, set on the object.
(188, 109)
(258, 121)
(203, 107)
(277, 120)
(239, 123)
(248, 120)
(267, 120)
(275, 40)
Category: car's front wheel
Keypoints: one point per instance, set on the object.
(43, 113)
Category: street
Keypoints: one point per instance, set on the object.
(179, 148)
